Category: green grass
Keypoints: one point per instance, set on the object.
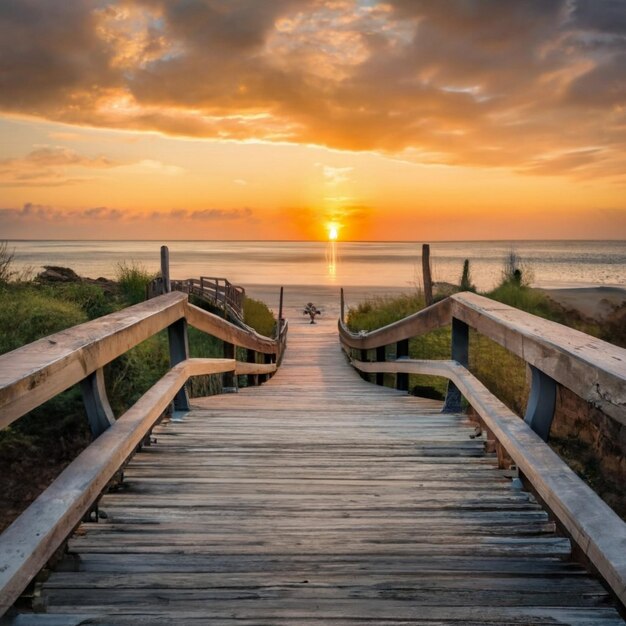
(259, 316)
(133, 279)
(27, 315)
(379, 312)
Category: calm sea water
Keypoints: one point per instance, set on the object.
(550, 263)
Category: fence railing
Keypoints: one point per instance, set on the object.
(219, 292)
(593, 369)
(31, 375)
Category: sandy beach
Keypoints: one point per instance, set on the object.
(326, 298)
(595, 302)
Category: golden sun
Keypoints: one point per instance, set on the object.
(332, 232)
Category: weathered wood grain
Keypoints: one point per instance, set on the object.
(593, 369)
(593, 525)
(222, 329)
(320, 499)
(34, 536)
(39, 371)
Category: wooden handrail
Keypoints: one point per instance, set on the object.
(32, 374)
(593, 526)
(222, 329)
(37, 533)
(37, 372)
(593, 369)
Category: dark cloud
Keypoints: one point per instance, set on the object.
(471, 82)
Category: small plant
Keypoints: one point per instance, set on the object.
(466, 278)
(133, 279)
(6, 262)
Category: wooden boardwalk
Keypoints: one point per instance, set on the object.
(319, 499)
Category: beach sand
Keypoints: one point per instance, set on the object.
(595, 302)
(326, 298)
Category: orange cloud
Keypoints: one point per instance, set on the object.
(526, 85)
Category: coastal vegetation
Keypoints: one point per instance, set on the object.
(35, 448)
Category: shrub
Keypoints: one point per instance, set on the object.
(90, 298)
(378, 312)
(133, 279)
(27, 315)
(259, 316)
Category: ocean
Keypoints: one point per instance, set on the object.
(548, 264)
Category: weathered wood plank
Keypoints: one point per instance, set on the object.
(320, 499)
(35, 535)
(593, 525)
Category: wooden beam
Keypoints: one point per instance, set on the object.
(40, 370)
(99, 413)
(220, 328)
(165, 269)
(420, 323)
(593, 369)
(428, 280)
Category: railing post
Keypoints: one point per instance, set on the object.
(541, 403)
(179, 351)
(267, 359)
(402, 352)
(228, 380)
(380, 357)
(428, 281)
(460, 353)
(343, 306)
(253, 379)
(99, 412)
(165, 269)
(364, 357)
(279, 326)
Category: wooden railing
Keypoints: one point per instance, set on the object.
(39, 371)
(218, 292)
(593, 369)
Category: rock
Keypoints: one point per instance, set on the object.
(56, 274)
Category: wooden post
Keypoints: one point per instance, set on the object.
(428, 280)
(165, 269)
(343, 306)
(402, 352)
(267, 358)
(99, 412)
(364, 356)
(541, 403)
(380, 357)
(253, 379)
(279, 327)
(460, 353)
(179, 351)
(228, 379)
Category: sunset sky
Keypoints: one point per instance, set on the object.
(255, 119)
